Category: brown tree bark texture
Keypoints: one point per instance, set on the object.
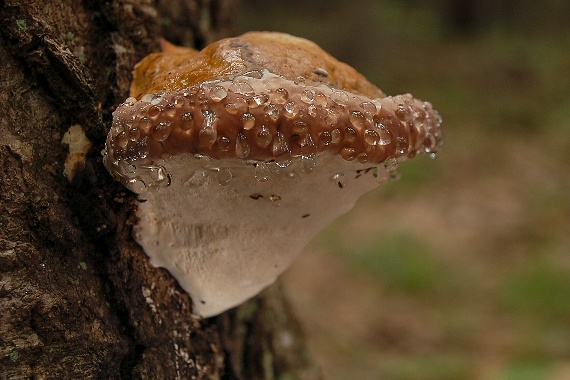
(78, 298)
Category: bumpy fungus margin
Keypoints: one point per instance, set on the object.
(245, 150)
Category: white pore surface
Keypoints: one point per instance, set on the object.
(226, 243)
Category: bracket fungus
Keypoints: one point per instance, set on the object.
(243, 151)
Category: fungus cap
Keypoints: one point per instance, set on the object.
(245, 150)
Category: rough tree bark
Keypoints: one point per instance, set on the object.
(78, 298)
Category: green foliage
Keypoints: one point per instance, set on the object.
(445, 366)
(540, 290)
(401, 262)
(526, 370)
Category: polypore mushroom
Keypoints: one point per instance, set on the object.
(242, 152)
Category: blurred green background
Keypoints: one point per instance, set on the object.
(461, 270)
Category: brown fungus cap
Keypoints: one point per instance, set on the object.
(245, 150)
(176, 68)
(265, 96)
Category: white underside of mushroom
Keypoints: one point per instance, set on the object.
(226, 230)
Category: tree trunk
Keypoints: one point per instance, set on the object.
(78, 298)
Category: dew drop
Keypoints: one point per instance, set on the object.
(128, 122)
(218, 93)
(161, 131)
(145, 123)
(263, 137)
(132, 153)
(208, 133)
(312, 110)
(116, 128)
(272, 111)
(300, 81)
(186, 121)
(401, 145)
(127, 169)
(429, 143)
(169, 110)
(320, 99)
(159, 175)
(291, 109)
(439, 142)
(202, 101)
(224, 144)
(261, 172)
(121, 141)
(153, 112)
(332, 116)
(242, 146)
(348, 154)
(140, 112)
(257, 100)
(438, 119)
(281, 151)
(350, 134)
(391, 166)
(238, 107)
(190, 92)
(308, 96)
(371, 137)
(325, 138)
(224, 176)
(136, 184)
(240, 86)
(280, 96)
(130, 101)
(402, 112)
(384, 134)
(147, 98)
(307, 145)
(369, 108)
(433, 143)
(308, 164)
(198, 178)
(247, 121)
(143, 148)
(178, 101)
(340, 97)
(299, 128)
(156, 99)
(378, 103)
(336, 136)
(134, 134)
(357, 119)
(362, 158)
(205, 161)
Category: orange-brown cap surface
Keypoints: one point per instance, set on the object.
(291, 57)
(265, 96)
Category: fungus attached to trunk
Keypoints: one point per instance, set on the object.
(243, 151)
